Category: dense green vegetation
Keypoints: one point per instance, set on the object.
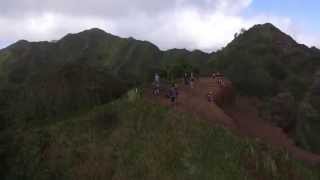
(308, 121)
(45, 79)
(137, 140)
(59, 117)
(263, 61)
(267, 63)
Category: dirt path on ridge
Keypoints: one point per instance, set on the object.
(242, 117)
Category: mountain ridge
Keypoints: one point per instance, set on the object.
(96, 31)
(267, 25)
(79, 98)
(262, 61)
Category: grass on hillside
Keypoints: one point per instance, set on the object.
(133, 139)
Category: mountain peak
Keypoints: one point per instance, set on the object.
(19, 44)
(94, 31)
(266, 28)
(265, 35)
(267, 25)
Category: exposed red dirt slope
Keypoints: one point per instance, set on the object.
(241, 116)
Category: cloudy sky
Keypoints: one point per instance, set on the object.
(193, 24)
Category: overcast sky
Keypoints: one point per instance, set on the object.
(193, 24)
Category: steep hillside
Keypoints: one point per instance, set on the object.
(308, 124)
(126, 58)
(196, 60)
(134, 139)
(43, 85)
(265, 61)
(45, 79)
(123, 57)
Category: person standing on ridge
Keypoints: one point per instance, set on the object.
(213, 75)
(191, 79)
(173, 94)
(156, 78)
(156, 90)
(210, 97)
(186, 79)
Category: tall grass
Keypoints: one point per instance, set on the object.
(138, 140)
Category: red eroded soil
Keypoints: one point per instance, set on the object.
(241, 115)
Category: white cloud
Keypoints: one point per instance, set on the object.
(114, 8)
(48, 26)
(191, 24)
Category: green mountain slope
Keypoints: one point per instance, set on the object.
(265, 62)
(138, 140)
(43, 85)
(44, 79)
(308, 124)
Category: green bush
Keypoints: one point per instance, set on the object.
(249, 78)
(138, 140)
(308, 127)
(298, 86)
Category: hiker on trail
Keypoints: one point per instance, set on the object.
(222, 82)
(173, 93)
(157, 78)
(192, 79)
(156, 85)
(210, 97)
(186, 79)
(220, 79)
(219, 75)
(213, 75)
(196, 74)
(156, 89)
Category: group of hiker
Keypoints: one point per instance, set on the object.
(219, 79)
(172, 93)
(189, 79)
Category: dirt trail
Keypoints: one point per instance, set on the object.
(194, 102)
(242, 117)
(245, 115)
